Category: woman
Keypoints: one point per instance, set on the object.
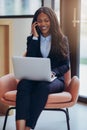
(47, 40)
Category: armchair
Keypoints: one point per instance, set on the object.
(58, 101)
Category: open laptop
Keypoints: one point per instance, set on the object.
(38, 69)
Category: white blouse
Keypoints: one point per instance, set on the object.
(45, 45)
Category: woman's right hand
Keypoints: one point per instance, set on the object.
(34, 31)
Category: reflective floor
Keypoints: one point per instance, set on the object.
(56, 120)
(83, 80)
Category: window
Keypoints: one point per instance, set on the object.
(83, 50)
(57, 8)
(19, 7)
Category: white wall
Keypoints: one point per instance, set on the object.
(21, 29)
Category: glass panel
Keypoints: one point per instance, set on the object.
(83, 49)
(18, 7)
(57, 8)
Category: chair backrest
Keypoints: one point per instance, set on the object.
(67, 78)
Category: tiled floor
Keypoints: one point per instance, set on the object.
(56, 120)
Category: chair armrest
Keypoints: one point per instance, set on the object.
(73, 88)
(7, 83)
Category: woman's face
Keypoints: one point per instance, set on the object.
(44, 24)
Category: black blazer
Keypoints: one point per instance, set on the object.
(59, 65)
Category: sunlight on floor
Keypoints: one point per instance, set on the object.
(83, 79)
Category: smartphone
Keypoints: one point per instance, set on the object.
(38, 30)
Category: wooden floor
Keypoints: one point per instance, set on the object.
(56, 120)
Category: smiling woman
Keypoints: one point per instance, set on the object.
(43, 22)
(51, 43)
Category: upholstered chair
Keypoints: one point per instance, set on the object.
(58, 101)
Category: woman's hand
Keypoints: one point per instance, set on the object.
(34, 31)
(53, 74)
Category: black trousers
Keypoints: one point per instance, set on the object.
(32, 97)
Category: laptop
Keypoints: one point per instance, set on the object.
(38, 69)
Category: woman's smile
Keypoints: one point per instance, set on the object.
(44, 24)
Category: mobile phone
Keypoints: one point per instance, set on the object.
(37, 29)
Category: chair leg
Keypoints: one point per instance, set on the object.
(6, 116)
(66, 113)
(67, 117)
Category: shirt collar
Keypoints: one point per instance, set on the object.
(48, 38)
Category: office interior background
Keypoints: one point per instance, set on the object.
(15, 25)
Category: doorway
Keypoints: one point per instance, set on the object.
(4, 62)
(5, 53)
(5, 47)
